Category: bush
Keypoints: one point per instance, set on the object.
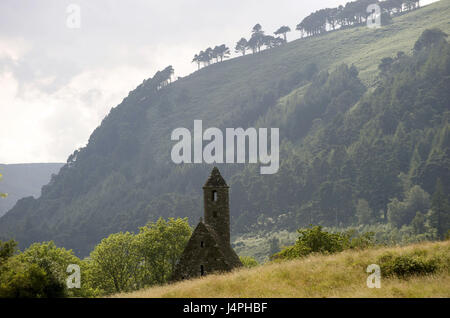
(315, 240)
(28, 280)
(291, 252)
(429, 38)
(361, 241)
(407, 265)
(40, 272)
(7, 250)
(248, 261)
(127, 261)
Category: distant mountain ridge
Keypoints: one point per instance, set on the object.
(24, 180)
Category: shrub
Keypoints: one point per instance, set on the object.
(361, 241)
(429, 38)
(40, 272)
(291, 252)
(29, 280)
(7, 250)
(316, 240)
(407, 265)
(248, 261)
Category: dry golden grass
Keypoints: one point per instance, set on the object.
(338, 275)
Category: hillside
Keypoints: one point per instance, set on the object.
(346, 134)
(340, 275)
(24, 180)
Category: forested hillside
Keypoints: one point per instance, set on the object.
(23, 180)
(363, 117)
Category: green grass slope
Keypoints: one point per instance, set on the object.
(338, 275)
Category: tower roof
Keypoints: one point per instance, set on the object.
(215, 179)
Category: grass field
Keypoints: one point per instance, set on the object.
(338, 275)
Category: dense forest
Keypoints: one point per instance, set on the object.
(392, 144)
(362, 143)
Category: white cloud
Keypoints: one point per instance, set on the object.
(40, 127)
(12, 48)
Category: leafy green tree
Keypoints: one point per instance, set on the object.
(215, 53)
(160, 245)
(396, 211)
(386, 18)
(312, 240)
(257, 29)
(385, 64)
(403, 212)
(40, 271)
(29, 280)
(55, 261)
(115, 263)
(218, 53)
(241, 46)
(283, 31)
(274, 245)
(429, 38)
(197, 60)
(7, 250)
(364, 212)
(248, 261)
(221, 52)
(440, 211)
(309, 241)
(316, 240)
(254, 42)
(315, 23)
(257, 39)
(271, 42)
(200, 58)
(417, 199)
(208, 56)
(332, 17)
(418, 223)
(163, 78)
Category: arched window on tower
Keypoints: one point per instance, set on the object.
(214, 196)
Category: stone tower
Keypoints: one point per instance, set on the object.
(209, 249)
(216, 203)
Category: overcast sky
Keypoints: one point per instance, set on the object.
(57, 83)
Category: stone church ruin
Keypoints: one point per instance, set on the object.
(209, 249)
